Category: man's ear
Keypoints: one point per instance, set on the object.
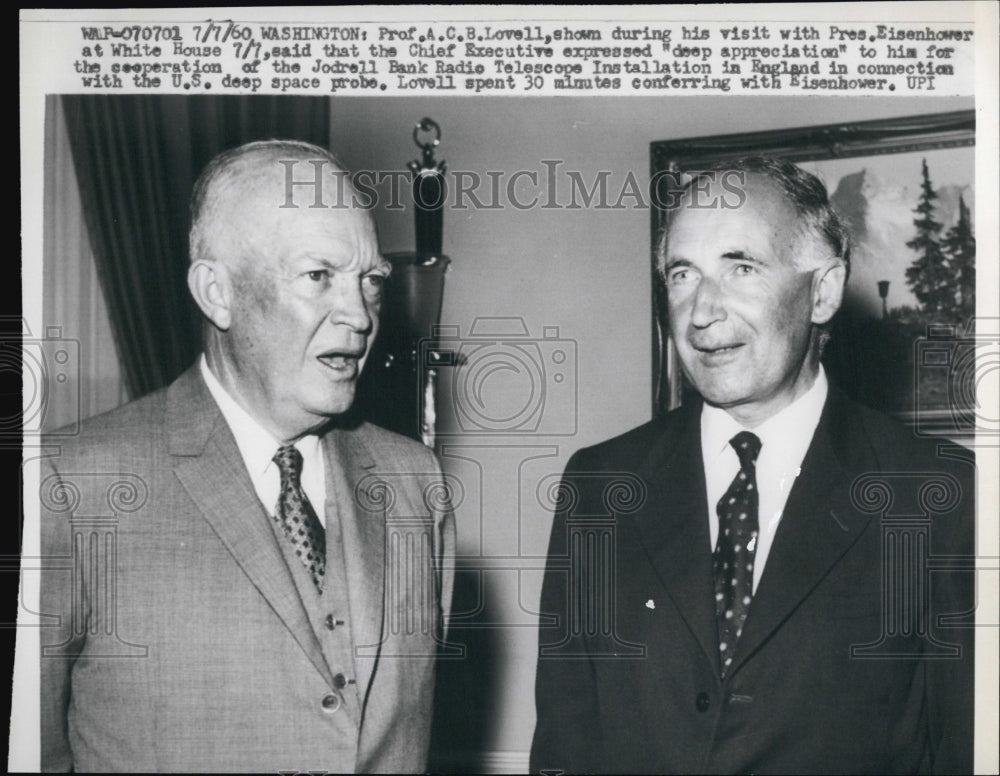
(828, 291)
(211, 286)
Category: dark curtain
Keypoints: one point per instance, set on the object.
(136, 159)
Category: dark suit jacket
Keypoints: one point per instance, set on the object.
(177, 634)
(843, 665)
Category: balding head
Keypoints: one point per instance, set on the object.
(242, 183)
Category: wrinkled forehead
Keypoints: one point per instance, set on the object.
(736, 190)
(270, 179)
(734, 203)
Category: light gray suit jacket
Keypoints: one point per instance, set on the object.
(179, 636)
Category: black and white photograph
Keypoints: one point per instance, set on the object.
(561, 390)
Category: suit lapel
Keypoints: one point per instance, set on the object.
(348, 463)
(674, 525)
(209, 466)
(818, 526)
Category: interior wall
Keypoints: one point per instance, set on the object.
(585, 271)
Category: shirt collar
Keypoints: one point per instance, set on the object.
(792, 426)
(256, 444)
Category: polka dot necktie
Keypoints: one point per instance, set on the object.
(735, 549)
(296, 517)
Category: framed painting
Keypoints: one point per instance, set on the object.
(904, 340)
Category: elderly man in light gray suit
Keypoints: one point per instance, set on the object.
(237, 578)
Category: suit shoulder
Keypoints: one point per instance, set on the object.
(899, 446)
(920, 469)
(388, 446)
(627, 450)
(900, 452)
(123, 431)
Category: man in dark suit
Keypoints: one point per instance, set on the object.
(743, 586)
(235, 578)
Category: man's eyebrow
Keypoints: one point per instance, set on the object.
(307, 262)
(382, 265)
(676, 262)
(739, 255)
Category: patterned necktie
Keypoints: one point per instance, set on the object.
(296, 517)
(735, 549)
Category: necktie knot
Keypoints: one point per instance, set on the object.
(747, 447)
(289, 462)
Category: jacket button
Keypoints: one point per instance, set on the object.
(340, 681)
(702, 702)
(331, 703)
(331, 623)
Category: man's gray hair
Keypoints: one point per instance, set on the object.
(805, 192)
(233, 172)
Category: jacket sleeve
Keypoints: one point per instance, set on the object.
(567, 732)
(951, 682)
(444, 549)
(60, 641)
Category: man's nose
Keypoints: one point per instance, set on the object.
(707, 306)
(349, 306)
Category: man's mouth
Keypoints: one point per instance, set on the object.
(718, 352)
(344, 363)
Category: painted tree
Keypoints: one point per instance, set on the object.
(929, 276)
(959, 246)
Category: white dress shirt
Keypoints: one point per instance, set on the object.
(257, 447)
(784, 438)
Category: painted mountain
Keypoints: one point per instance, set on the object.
(880, 216)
